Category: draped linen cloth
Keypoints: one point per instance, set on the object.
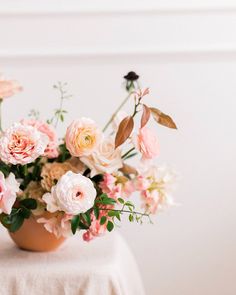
(104, 266)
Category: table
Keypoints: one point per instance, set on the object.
(104, 266)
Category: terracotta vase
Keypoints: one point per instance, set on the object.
(33, 236)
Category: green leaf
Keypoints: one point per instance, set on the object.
(121, 200)
(110, 226)
(75, 223)
(114, 213)
(96, 212)
(25, 212)
(103, 220)
(103, 199)
(29, 203)
(131, 218)
(87, 218)
(16, 223)
(129, 204)
(109, 201)
(6, 220)
(102, 196)
(83, 226)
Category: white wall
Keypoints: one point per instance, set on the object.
(185, 51)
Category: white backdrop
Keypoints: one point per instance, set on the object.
(185, 51)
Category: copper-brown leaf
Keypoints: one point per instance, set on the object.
(127, 169)
(162, 118)
(146, 115)
(125, 129)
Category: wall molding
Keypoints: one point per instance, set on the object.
(52, 53)
(41, 8)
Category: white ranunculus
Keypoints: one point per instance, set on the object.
(73, 194)
(105, 159)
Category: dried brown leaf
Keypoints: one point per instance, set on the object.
(162, 118)
(127, 169)
(125, 129)
(146, 115)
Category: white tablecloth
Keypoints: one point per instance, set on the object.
(104, 266)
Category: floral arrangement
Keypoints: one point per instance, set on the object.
(82, 182)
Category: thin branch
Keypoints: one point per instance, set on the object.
(116, 112)
(127, 153)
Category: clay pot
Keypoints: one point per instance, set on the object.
(33, 236)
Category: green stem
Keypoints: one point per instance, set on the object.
(61, 105)
(118, 109)
(125, 211)
(127, 153)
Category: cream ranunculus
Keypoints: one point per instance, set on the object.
(73, 194)
(105, 159)
(82, 137)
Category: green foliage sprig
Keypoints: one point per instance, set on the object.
(16, 218)
(83, 221)
(60, 112)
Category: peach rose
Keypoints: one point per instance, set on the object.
(82, 137)
(105, 159)
(8, 88)
(51, 150)
(8, 189)
(73, 194)
(22, 144)
(147, 143)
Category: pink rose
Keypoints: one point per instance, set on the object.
(8, 189)
(82, 137)
(73, 194)
(147, 143)
(51, 150)
(8, 88)
(22, 144)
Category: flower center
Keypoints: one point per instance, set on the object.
(78, 195)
